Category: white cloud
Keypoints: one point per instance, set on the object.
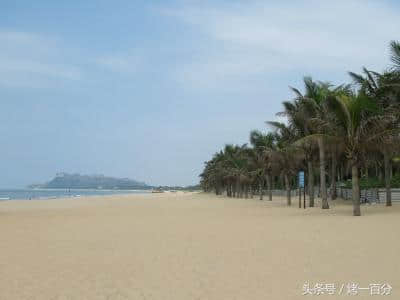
(255, 37)
(37, 61)
(230, 46)
(30, 60)
(125, 63)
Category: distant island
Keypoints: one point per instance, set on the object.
(77, 181)
(101, 182)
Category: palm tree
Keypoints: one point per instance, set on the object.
(359, 123)
(384, 89)
(263, 145)
(285, 155)
(238, 164)
(313, 102)
(351, 128)
(299, 122)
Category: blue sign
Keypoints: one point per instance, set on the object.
(301, 179)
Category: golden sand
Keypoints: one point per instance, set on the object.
(177, 246)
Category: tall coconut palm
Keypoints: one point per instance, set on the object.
(285, 155)
(238, 163)
(298, 119)
(263, 145)
(360, 123)
(384, 89)
(313, 102)
(211, 177)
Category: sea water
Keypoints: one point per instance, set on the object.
(36, 194)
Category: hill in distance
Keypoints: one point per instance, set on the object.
(77, 181)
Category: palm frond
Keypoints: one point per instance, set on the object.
(395, 54)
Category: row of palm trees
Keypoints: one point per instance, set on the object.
(344, 130)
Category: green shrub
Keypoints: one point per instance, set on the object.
(374, 182)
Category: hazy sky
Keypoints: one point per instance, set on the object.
(151, 89)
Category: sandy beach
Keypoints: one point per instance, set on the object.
(192, 246)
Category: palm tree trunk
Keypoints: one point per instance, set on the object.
(271, 188)
(217, 189)
(268, 178)
(342, 174)
(287, 183)
(333, 179)
(261, 189)
(387, 179)
(310, 183)
(356, 190)
(322, 163)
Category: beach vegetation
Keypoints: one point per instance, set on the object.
(345, 135)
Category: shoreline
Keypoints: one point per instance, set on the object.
(74, 193)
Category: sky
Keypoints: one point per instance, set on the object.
(151, 89)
